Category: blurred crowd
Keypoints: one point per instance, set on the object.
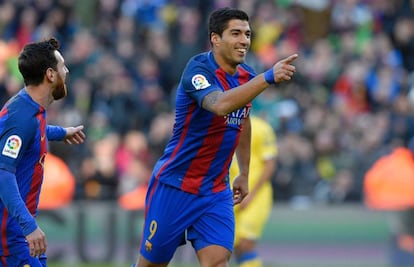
(351, 100)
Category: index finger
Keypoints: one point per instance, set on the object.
(290, 58)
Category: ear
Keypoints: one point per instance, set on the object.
(214, 38)
(50, 74)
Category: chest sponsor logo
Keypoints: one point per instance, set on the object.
(237, 117)
(200, 82)
(12, 146)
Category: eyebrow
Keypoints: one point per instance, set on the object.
(238, 30)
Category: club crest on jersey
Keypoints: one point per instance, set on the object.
(12, 146)
(148, 246)
(200, 82)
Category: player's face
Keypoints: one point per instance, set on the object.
(234, 43)
(60, 91)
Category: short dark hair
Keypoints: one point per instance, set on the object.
(36, 58)
(219, 19)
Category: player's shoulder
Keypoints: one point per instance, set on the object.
(199, 69)
(199, 60)
(20, 110)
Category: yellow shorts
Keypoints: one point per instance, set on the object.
(251, 220)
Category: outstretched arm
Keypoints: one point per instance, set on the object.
(74, 135)
(70, 135)
(222, 103)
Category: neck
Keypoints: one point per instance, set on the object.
(228, 68)
(39, 94)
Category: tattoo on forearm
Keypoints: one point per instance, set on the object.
(210, 99)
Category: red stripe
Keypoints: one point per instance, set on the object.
(218, 182)
(221, 75)
(150, 197)
(3, 112)
(31, 200)
(243, 76)
(180, 143)
(3, 261)
(4, 233)
(201, 163)
(199, 167)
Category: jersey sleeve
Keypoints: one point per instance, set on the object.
(55, 133)
(12, 200)
(198, 81)
(14, 139)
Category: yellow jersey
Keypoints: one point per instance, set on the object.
(263, 147)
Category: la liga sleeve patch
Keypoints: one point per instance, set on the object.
(199, 82)
(12, 146)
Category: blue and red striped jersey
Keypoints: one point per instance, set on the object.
(199, 153)
(23, 146)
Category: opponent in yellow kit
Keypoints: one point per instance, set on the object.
(253, 212)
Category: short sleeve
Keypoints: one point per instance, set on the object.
(198, 81)
(14, 139)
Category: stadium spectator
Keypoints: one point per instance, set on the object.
(98, 176)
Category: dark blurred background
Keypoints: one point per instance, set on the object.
(350, 102)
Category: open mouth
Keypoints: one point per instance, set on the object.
(242, 51)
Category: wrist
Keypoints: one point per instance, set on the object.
(28, 227)
(244, 174)
(269, 76)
